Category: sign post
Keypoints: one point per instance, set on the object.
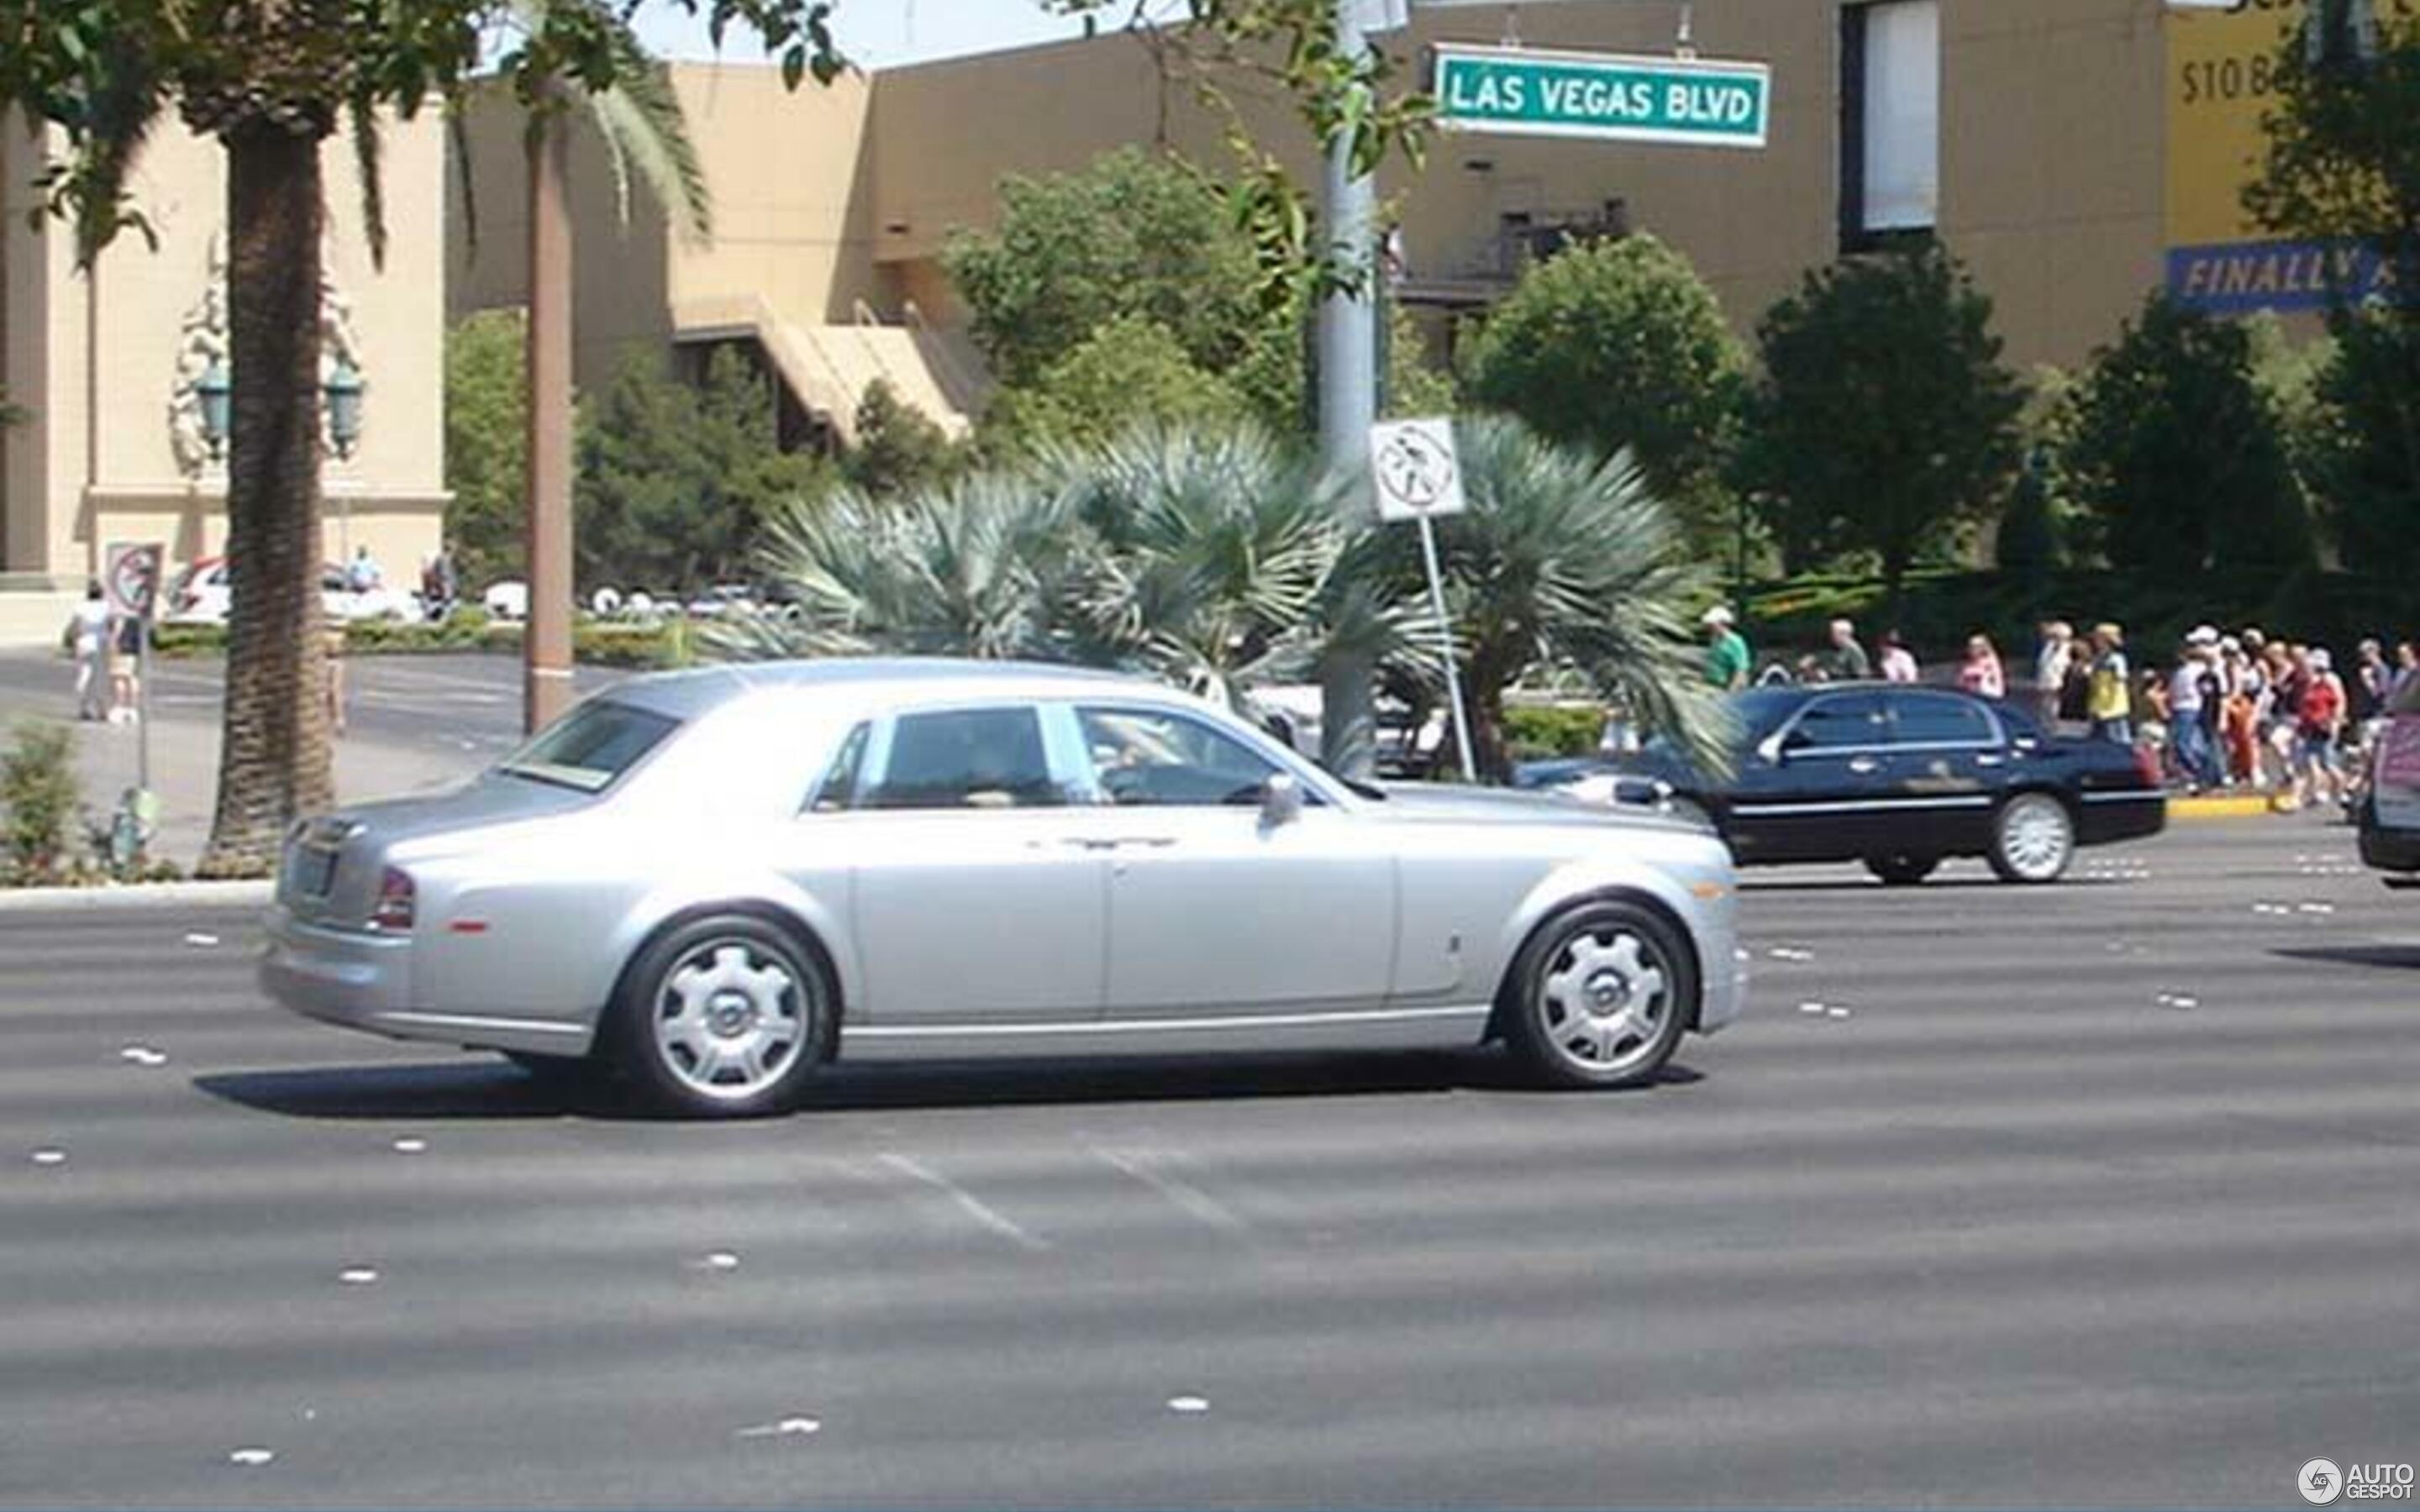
(1418, 477)
(131, 578)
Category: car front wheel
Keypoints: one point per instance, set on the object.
(2032, 839)
(724, 1017)
(1604, 991)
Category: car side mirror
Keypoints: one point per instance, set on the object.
(1280, 800)
(1770, 748)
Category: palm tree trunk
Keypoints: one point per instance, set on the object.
(275, 763)
(546, 642)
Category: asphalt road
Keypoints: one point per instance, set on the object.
(2103, 1195)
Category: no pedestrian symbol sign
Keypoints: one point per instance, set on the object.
(1413, 465)
(131, 577)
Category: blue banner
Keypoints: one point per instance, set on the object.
(2238, 277)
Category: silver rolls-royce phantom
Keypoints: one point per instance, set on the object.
(718, 882)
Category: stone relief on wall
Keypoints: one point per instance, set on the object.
(202, 343)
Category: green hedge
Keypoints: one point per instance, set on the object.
(1538, 731)
(600, 643)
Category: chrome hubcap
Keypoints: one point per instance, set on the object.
(731, 1019)
(2034, 838)
(1604, 999)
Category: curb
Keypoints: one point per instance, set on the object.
(2247, 807)
(136, 895)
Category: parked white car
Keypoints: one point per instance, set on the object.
(202, 593)
(506, 600)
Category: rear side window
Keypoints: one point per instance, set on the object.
(966, 759)
(591, 746)
(1935, 719)
(838, 789)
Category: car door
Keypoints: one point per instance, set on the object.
(1949, 757)
(1816, 787)
(1214, 912)
(975, 899)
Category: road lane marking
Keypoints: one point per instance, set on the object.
(972, 1206)
(1184, 1193)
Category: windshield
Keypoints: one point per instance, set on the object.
(590, 747)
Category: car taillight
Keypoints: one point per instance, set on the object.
(397, 904)
(2147, 765)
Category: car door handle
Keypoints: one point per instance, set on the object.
(1084, 842)
(1864, 764)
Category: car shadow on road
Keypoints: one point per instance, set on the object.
(2398, 957)
(460, 1089)
(1915, 890)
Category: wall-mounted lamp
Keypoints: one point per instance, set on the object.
(343, 394)
(215, 393)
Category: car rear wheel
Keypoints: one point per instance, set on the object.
(1901, 870)
(724, 1017)
(1603, 991)
(2032, 839)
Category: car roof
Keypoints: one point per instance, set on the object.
(686, 694)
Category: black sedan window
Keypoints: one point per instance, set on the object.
(1940, 719)
(1842, 721)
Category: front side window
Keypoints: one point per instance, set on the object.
(1154, 758)
(1849, 721)
(966, 759)
(591, 746)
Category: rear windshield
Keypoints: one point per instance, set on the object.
(590, 747)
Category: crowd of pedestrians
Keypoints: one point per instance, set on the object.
(2239, 712)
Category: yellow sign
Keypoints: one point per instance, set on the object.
(2222, 66)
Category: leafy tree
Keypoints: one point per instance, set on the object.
(2028, 544)
(1128, 369)
(1883, 419)
(676, 481)
(898, 447)
(2344, 164)
(1136, 235)
(1618, 344)
(2364, 451)
(2180, 456)
(1568, 562)
(487, 444)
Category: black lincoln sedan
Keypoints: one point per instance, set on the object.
(1897, 777)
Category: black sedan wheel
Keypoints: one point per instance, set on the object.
(2033, 838)
(1602, 992)
(1901, 870)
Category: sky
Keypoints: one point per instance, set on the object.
(878, 34)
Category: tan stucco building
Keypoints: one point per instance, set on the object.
(113, 445)
(2062, 147)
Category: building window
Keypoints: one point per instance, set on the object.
(1890, 121)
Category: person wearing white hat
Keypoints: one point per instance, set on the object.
(1728, 657)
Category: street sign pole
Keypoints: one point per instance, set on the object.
(1445, 653)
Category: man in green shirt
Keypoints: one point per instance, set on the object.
(1726, 653)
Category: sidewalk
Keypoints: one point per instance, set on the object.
(185, 757)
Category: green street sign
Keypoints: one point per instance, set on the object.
(1523, 91)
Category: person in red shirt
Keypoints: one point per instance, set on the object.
(2318, 722)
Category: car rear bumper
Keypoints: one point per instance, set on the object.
(364, 981)
(2120, 814)
(2388, 849)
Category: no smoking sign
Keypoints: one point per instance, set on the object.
(1412, 464)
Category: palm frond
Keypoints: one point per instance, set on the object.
(647, 135)
(123, 107)
(362, 124)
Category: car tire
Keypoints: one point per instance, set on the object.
(2033, 839)
(1602, 992)
(725, 1016)
(1901, 870)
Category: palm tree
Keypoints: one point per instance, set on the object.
(638, 117)
(1562, 563)
(985, 565)
(1214, 550)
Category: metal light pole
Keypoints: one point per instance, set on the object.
(1348, 399)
